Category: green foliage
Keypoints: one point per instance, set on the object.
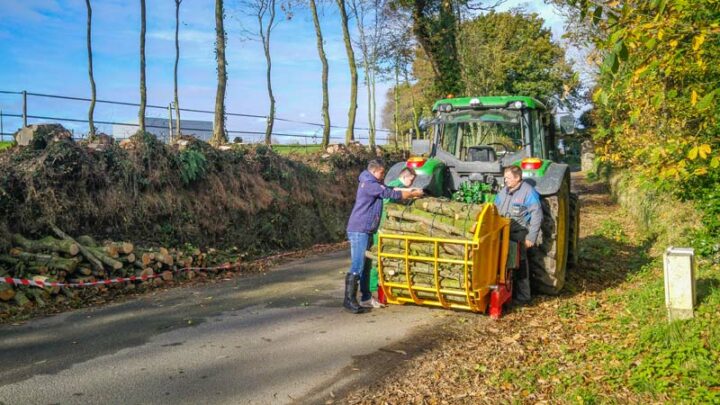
(5, 145)
(473, 193)
(511, 53)
(656, 101)
(193, 166)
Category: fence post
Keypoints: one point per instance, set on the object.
(24, 108)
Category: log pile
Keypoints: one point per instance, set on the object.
(62, 258)
(428, 217)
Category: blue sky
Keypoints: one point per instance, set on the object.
(43, 50)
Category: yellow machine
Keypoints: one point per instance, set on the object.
(471, 273)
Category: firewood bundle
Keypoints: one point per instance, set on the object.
(428, 217)
(73, 260)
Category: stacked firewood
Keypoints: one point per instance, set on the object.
(428, 217)
(73, 260)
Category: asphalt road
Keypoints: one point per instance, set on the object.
(279, 337)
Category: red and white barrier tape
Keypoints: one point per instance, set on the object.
(44, 284)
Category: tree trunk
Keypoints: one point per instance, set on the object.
(219, 137)
(175, 73)
(91, 110)
(437, 37)
(350, 133)
(396, 112)
(265, 37)
(143, 89)
(323, 60)
(416, 116)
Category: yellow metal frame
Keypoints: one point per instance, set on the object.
(484, 260)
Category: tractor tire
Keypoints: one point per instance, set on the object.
(573, 251)
(548, 260)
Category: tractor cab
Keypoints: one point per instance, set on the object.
(475, 137)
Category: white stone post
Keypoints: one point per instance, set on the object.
(679, 264)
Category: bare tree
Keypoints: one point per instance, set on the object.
(177, 61)
(91, 110)
(323, 60)
(219, 136)
(265, 13)
(350, 133)
(143, 89)
(370, 25)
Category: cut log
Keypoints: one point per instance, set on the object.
(147, 258)
(97, 264)
(49, 261)
(124, 248)
(128, 259)
(46, 244)
(85, 271)
(86, 240)
(99, 253)
(7, 292)
(452, 209)
(434, 222)
(22, 300)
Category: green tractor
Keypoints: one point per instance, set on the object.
(471, 139)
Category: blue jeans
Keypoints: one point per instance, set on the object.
(359, 264)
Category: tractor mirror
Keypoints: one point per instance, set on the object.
(422, 124)
(567, 124)
(420, 147)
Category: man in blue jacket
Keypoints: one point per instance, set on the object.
(363, 223)
(520, 202)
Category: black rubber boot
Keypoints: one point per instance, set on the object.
(351, 287)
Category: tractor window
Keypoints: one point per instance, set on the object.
(481, 135)
(538, 135)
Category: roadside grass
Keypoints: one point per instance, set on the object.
(605, 339)
(5, 145)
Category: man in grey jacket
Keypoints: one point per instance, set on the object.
(520, 202)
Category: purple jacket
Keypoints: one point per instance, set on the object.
(365, 216)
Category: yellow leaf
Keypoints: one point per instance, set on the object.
(692, 155)
(700, 171)
(693, 98)
(674, 43)
(705, 150)
(698, 41)
(715, 162)
(660, 34)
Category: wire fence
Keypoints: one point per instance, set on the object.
(118, 125)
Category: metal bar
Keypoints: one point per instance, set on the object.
(420, 258)
(2, 127)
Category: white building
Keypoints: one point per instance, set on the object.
(160, 127)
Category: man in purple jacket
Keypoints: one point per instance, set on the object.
(363, 223)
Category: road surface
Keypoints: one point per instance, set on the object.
(278, 337)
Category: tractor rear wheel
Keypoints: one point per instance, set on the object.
(548, 260)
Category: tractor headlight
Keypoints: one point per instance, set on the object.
(517, 105)
(447, 107)
(475, 103)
